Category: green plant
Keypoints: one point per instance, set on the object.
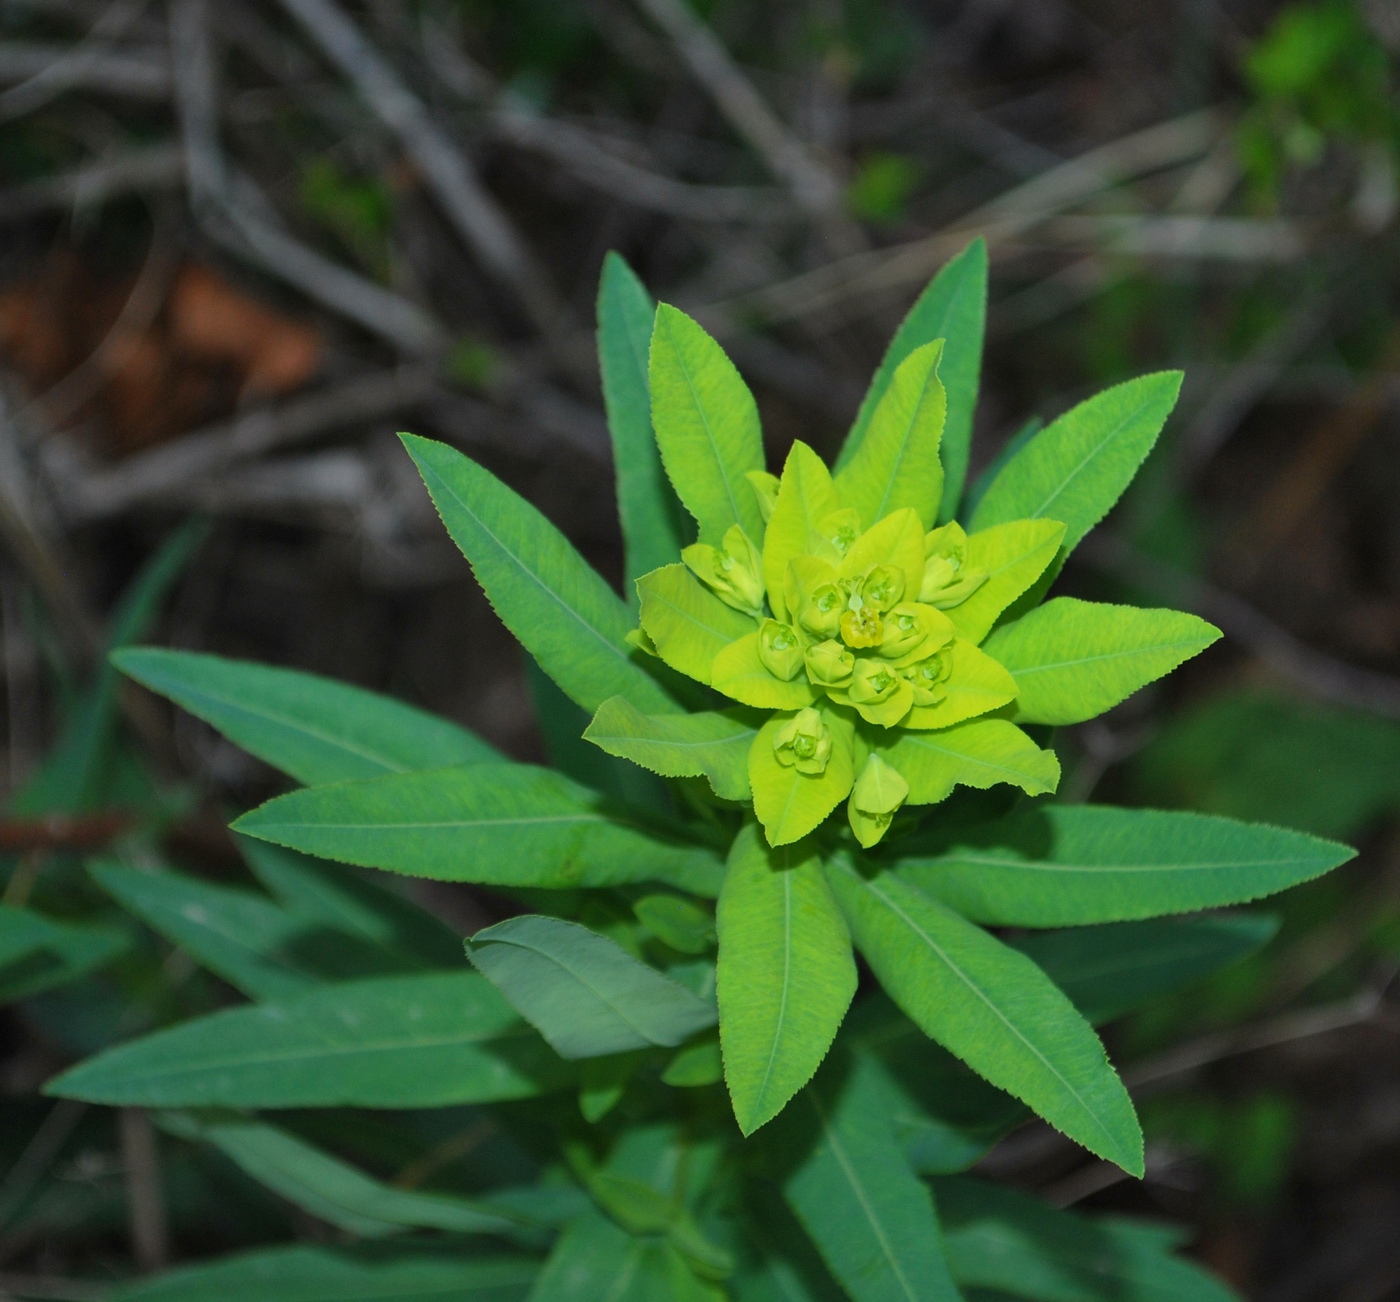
(835, 683)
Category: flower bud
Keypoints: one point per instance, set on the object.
(820, 611)
(907, 628)
(947, 581)
(877, 795)
(883, 587)
(804, 742)
(780, 649)
(838, 532)
(927, 678)
(765, 488)
(733, 571)
(829, 664)
(879, 693)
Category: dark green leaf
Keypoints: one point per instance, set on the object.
(585, 994)
(37, 954)
(394, 1042)
(313, 729)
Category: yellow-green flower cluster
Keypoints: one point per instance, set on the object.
(847, 628)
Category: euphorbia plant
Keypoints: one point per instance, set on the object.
(815, 662)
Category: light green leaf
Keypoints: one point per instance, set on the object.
(689, 624)
(554, 602)
(986, 477)
(1067, 865)
(976, 684)
(390, 1042)
(695, 1066)
(870, 1217)
(313, 729)
(706, 426)
(331, 1189)
(953, 307)
(583, 992)
(376, 1273)
(739, 672)
(1111, 969)
(992, 1007)
(652, 528)
(1000, 1238)
(979, 753)
(896, 464)
(1013, 555)
(1077, 467)
(711, 744)
(676, 921)
(790, 803)
(805, 498)
(502, 824)
(38, 954)
(786, 974)
(331, 896)
(243, 937)
(1072, 659)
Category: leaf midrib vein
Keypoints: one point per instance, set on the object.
(1089, 456)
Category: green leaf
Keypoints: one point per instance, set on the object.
(1001, 1238)
(370, 1273)
(389, 1042)
(689, 624)
(328, 1188)
(976, 685)
(790, 803)
(502, 824)
(1111, 969)
(896, 464)
(1076, 468)
(786, 974)
(953, 307)
(583, 992)
(1067, 865)
(977, 490)
(1013, 555)
(241, 936)
(554, 602)
(334, 897)
(870, 1217)
(79, 770)
(314, 729)
(676, 921)
(979, 753)
(37, 954)
(944, 1115)
(710, 744)
(596, 1260)
(739, 672)
(1072, 659)
(706, 426)
(806, 497)
(695, 1066)
(992, 1007)
(652, 529)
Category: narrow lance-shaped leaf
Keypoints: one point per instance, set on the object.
(554, 602)
(706, 426)
(502, 824)
(992, 1007)
(1072, 659)
(688, 624)
(366, 1273)
(869, 1216)
(1067, 865)
(897, 462)
(652, 528)
(786, 974)
(391, 1042)
(331, 1189)
(710, 744)
(980, 753)
(953, 307)
(37, 953)
(1111, 969)
(583, 992)
(1012, 556)
(1077, 467)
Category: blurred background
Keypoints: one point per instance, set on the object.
(245, 242)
